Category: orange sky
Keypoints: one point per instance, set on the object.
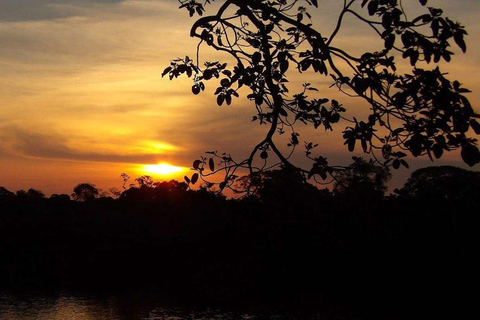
(82, 100)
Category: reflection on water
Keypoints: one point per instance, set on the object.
(113, 307)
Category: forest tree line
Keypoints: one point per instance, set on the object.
(365, 180)
(286, 243)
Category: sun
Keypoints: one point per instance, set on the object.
(163, 169)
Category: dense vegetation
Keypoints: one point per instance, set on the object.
(290, 243)
(409, 107)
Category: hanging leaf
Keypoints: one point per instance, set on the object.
(194, 178)
(196, 164)
(351, 144)
(396, 163)
(470, 155)
(437, 151)
(475, 126)
(372, 7)
(220, 99)
(195, 89)
(211, 164)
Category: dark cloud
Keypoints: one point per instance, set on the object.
(40, 145)
(28, 10)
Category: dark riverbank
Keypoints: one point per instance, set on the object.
(384, 256)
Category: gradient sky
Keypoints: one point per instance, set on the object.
(82, 100)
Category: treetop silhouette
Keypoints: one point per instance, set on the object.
(419, 112)
(365, 180)
(85, 192)
(443, 182)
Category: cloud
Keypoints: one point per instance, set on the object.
(33, 10)
(81, 82)
(17, 141)
(90, 34)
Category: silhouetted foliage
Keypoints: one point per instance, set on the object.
(30, 195)
(420, 111)
(85, 192)
(362, 180)
(145, 181)
(125, 177)
(284, 185)
(444, 182)
(149, 191)
(60, 197)
(5, 194)
(291, 243)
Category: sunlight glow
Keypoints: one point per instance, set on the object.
(161, 146)
(163, 169)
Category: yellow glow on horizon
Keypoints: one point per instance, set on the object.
(163, 169)
(162, 146)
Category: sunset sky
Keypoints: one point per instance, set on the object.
(82, 99)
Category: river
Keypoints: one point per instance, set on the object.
(124, 306)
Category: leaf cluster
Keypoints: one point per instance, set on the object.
(420, 112)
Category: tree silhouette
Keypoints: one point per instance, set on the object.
(363, 180)
(30, 195)
(419, 112)
(146, 181)
(85, 192)
(443, 182)
(274, 185)
(60, 197)
(6, 194)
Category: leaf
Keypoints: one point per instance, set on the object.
(387, 19)
(389, 41)
(228, 99)
(470, 155)
(167, 70)
(437, 151)
(195, 89)
(405, 164)
(196, 164)
(458, 37)
(351, 144)
(321, 172)
(475, 126)
(414, 58)
(211, 164)
(372, 7)
(194, 178)
(396, 164)
(218, 90)
(187, 179)
(467, 104)
(315, 3)
(364, 145)
(220, 99)
(435, 27)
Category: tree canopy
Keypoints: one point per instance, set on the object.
(85, 192)
(443, 182)
(418, 112)
(364, 179)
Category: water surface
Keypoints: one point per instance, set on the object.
(121, 306)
